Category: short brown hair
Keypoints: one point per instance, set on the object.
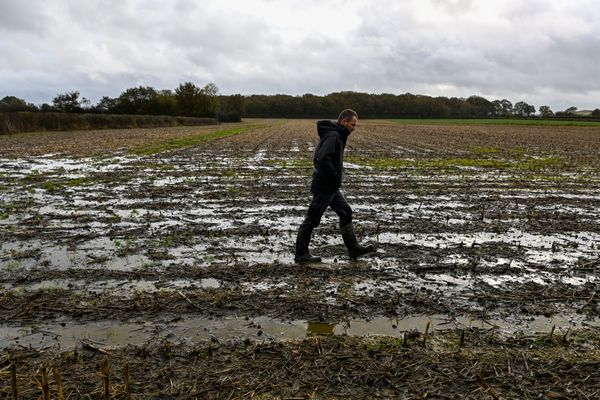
(347, 115)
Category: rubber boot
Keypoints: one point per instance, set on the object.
(302, 252)
(355, 250)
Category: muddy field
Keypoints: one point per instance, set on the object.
(180, 264)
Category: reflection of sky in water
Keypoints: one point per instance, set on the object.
(112, 226)
(196, 330)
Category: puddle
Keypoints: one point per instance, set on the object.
(258, 157)
(319, 329)
(52, 163)
(90, 255)
(193, 330)
(240, 209)
(541, 248)
(538, 278)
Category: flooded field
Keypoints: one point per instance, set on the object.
(489, 234)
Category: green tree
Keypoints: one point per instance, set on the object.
(545, 112)
(523, 109)
(166, 103)
(140, 100)
(231, 108)
(106, 105)
(502, 108)
(186, 95)
(70, 102)
(481, 106)
(571, 110)
(14, 104)
(596, 112)
(207, 102)
(458, 108)
(193, 101)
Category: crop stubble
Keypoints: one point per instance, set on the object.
(498, 224)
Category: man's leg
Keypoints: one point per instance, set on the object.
(343, 210)
(317, 208)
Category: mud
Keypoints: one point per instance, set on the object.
(478, 229)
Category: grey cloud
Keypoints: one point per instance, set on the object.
(24, 16)
(530, 50)
(493, 60)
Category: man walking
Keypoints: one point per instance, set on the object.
(325, 187)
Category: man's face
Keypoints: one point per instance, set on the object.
(349, 124)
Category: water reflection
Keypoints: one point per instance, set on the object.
(197, 329)
(319, 328)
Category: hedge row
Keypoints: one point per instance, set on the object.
(15, 122)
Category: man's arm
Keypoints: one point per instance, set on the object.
(324, 160)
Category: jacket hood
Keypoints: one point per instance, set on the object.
(328, 126)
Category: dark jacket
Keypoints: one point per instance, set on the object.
(328, 157)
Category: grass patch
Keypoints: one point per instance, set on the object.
(45, 181)
(495, 121)
(383, 163)
(11, 266)
(532, 164)
(34, 177)
(441, 163)
(451, 163)
(178, 143)
(77, 182)
(536, 164)
(51, 185)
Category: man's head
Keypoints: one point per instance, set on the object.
(348, 118)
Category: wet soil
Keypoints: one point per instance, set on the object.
(181, 263)
(472, 364)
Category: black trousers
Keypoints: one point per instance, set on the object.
(319, 205)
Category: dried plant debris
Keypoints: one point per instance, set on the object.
(483, 366)
(180, 265)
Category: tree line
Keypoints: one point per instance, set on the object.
(190, 100)
(187, 100)
(395, 106)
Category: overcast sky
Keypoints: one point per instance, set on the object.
(544, 52)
